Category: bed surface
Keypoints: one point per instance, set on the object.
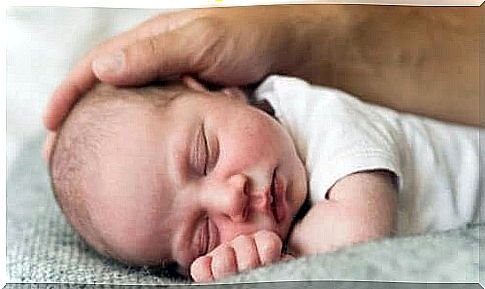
(42, 248)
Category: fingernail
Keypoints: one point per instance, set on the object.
(108, 64)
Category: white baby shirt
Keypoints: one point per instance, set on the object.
(437, 164)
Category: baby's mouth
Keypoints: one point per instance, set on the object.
(272, 196)
(278, 206)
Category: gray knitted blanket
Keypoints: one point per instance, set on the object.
(41, 247)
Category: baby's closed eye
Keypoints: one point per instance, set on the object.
(205, 152)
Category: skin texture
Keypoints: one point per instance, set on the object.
(243, 253)
(156, 186)
(360, 207)
(429, 53)
(156, 194)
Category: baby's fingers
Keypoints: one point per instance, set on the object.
(269, 246)
(201, 270)
(217, 264)
(223, 262)
(246, 253)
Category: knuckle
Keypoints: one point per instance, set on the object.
(275, 244)
(242, 239)
(265, 234)
(224, 263)
(219, 249)
(269, 246)
(135, 56)
(246, 253)
(152, 46)
(269, 240)
(208, 23)
(209, 35)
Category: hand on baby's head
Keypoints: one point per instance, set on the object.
(170, 174)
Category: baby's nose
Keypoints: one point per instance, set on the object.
(238, 198)
(261, 201)
(233, 199)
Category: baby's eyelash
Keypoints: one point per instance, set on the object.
(199, 154)
(206, 149)
(204, 237)
(207, 236)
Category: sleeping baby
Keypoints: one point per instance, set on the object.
(220, 182)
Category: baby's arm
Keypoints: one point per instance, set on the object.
(243, 253)
(358, 208)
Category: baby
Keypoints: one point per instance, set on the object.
(206, 180)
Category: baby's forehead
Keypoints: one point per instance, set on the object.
(111, 139)
(125, 191)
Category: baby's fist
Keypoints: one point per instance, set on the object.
(243, 253)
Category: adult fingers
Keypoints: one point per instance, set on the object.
(82, 77)
(48, 144)
(186, 49)
(66, 94)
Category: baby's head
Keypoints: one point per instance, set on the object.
(164, 174)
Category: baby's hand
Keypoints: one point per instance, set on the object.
(243, 253)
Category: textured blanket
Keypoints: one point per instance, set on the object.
(41, 247)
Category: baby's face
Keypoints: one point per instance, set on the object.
(172, 186)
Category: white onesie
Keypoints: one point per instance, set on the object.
(437, 164)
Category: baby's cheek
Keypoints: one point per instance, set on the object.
(241, 154)
(256, 136)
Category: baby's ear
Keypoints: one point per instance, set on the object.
(48, 144)
(236, 93)
(232, 92)
(194, 84)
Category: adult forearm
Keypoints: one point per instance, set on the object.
(422, 60)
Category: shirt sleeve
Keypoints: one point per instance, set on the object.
(335, 133)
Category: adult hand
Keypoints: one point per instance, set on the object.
(243, 253)
(351, 47)
(229, 46)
